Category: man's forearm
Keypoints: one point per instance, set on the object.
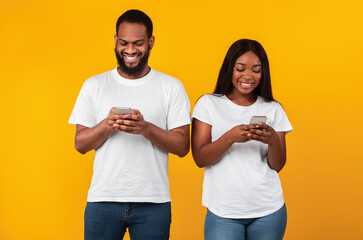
(175, 141)
(88, 139)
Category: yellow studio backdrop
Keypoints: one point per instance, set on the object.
(49, 48)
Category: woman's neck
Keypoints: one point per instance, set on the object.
(242, 100)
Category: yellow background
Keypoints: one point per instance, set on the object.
(49, 48)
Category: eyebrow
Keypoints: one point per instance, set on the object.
(139, 40)
(255, 65)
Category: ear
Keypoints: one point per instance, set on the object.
(115, 37)
(151, 42)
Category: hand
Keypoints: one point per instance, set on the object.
(240, 133)
(131, 123)
(262, 133)
(111, 120)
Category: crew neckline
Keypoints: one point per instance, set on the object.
(231, 103)
(133, 82)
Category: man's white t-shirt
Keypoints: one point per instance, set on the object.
(128, 167)
(241, 184)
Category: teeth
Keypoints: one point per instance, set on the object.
(131, 57)
(246, 84)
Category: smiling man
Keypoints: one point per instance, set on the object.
(130, 187)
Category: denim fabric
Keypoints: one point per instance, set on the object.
(270, 227)
(109, 220)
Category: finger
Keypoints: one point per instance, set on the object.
(124, 128)
(263, 125)
(116, 127)
(260, 138)
(245, 127)
(110, 121)
(135, 112)
(257, 131)
(128, 129)
(256, 137)
(137, 117)
(129, 123)
(116, 117)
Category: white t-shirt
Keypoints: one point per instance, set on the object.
(241, 184)
(128, 167)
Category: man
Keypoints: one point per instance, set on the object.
(130, 187)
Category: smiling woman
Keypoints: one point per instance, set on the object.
(48, 49)
(246, 77)
(246, 202)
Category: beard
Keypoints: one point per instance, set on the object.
(132, 71)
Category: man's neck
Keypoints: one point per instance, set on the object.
(144, 72)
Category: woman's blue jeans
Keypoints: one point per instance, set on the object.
(270, 227)
(109, 221)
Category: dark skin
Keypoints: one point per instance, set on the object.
(131, 43)
(175, 141)
(207, 153)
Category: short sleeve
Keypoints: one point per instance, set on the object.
(200, 110)
(84, 112)
(179, 108)
(281, 123)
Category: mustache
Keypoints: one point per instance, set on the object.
(130, 54)
(133, 70)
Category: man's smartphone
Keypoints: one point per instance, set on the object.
(257, 119)
(123, 110)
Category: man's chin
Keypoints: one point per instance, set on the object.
(133, 70)
(131, 66)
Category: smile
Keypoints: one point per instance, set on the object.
(130, 58)
(246, 85)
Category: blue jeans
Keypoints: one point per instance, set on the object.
(270, 227)
(109, 220)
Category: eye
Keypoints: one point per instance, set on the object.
(122, 43)
(256, 70)
(240, 70)
(139, 44)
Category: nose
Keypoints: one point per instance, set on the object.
(130, 48)
(247, 74)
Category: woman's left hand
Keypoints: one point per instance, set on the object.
(263, 133)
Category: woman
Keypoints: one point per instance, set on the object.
(241, 188)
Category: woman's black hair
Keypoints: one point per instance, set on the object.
(224, 83)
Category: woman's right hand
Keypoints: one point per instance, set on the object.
(239, 133)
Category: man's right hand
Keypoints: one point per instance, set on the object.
(111, 120)
(88, 139)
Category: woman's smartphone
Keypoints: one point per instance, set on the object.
(258, 119)
(123, 110)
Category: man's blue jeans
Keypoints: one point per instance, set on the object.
(109, 220)
(270, 227)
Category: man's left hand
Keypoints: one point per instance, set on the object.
(132, 123)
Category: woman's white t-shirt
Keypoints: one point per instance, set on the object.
(241, 184)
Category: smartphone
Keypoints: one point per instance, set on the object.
(123, 110)
(257, 119)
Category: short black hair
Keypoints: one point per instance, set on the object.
(224, 83)
(136, 16)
